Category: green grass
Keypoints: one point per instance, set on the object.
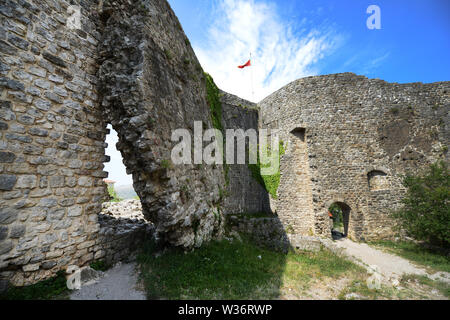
(234, 270)
(166, 164)
(43, 290)
(416, 253)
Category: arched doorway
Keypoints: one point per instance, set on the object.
(339, 214)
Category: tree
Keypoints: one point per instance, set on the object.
(425, 214)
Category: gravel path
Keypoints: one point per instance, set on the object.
(117, 283)
(388, 265)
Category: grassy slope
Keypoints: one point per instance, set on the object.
(235, 270)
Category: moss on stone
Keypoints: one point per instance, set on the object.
(269, 182)
(215, 105)
(212, 95)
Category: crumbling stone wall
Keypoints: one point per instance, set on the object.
(355, 129)
(131, 65)
(151, 84)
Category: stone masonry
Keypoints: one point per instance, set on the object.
(349, 139)
(52, 140)
(244, 193)
(129, 64)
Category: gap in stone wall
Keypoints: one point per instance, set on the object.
(123, 227)
(117, 173)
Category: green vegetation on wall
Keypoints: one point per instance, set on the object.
(269, 182)
(213, 97)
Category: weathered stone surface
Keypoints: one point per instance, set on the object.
(7, 182)
(17, 231)
(349, 139)
(5, 246)
(26, 181)
(7, 157)
(244, 193)
(54, 59)
(3, 232)
(11, 84)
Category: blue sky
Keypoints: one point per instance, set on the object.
(330, 36)
(291, 39)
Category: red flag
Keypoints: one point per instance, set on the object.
(248, 64)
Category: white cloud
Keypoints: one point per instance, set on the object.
(280, 55)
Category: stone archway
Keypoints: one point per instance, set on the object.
(341, 215)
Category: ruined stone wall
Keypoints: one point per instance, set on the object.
(243, 193)
(129, 64)
(360, 135)
(151, 84)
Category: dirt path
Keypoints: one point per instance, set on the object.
(117, 283)
(390, 266)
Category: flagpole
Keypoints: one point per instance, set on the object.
(251, 78)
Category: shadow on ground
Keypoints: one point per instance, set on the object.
(232, 268)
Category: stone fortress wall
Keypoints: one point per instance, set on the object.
(52, 140)
(131, 65)
(244, 193)
(349, 139)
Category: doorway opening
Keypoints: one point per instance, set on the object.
(339, 214)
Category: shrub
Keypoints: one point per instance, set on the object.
(425, 214)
